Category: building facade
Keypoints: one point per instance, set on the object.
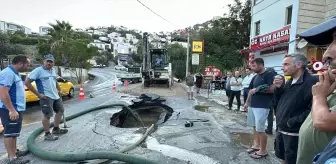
(12, 27)
(276, 23)
(43, 30)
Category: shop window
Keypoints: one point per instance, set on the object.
(289, 15)
(316, 53)
(257, 28)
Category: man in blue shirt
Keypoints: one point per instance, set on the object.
(13, 102)
(158, 61)
(49, 93)
(258, 103)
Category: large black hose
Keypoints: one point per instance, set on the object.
(76, 157)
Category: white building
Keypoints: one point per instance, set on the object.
(113, 35)
(100, 45)
(184, 44)
(12, 27)
(43, 30)
(275, 24)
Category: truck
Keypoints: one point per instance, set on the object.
(133, 75)
(156, 66)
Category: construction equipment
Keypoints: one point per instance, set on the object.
(157, 68)
(133, 75)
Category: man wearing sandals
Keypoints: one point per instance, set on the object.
(294, 100)
(258, 103)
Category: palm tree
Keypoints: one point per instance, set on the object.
(61, 33)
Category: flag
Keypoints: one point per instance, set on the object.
(182, 32)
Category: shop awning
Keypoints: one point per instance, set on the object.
(321, 34)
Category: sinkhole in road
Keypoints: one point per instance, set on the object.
(148, 116)
(148, 109)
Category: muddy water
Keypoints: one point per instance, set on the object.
(243, 139)
(202, 108)
(148, 117)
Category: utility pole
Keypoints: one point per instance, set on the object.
(187, 62)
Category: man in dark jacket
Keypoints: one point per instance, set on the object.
(294, 104)
(199, 82)
(273, 106)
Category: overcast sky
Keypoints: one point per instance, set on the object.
(129, 13)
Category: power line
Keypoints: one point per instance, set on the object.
(157, 14)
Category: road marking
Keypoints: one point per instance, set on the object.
(104, 102)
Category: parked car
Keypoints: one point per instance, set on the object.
(67, 88)
(120, 67)
(99, 66)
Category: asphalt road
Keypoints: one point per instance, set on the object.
(222, 139)
(99, 88)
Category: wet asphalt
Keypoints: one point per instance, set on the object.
(223, 139)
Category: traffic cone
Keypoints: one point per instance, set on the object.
(126, 83)
(113, 87)
(81, 92)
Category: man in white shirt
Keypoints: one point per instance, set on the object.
(246, 82)
(236, 87)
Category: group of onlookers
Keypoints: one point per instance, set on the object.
(303, 106)
(234, 85)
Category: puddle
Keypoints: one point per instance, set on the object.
(243, 139)
(202, 108)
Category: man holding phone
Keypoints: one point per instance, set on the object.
(13, 102)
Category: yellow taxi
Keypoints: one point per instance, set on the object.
(67, 88)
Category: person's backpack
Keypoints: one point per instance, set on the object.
(328, 155)
(190, 80)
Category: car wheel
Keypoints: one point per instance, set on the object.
(71, 93)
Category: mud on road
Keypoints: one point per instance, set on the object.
(177, 90)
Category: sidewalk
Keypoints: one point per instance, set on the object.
(219, 97)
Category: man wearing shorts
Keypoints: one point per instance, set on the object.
(258, 103)
(49, 93)
(190, 81)
(13, 102)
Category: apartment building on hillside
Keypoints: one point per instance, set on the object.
(12, 27)
(276, 23)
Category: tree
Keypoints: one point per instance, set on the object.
(104, 58)
(61, 33)
(70, 48)
(6, 48)
(177, 55)
(227, 36)
(79, 55)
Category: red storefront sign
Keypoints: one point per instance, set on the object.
(212, 71)
(270, 39)
(251, 57)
